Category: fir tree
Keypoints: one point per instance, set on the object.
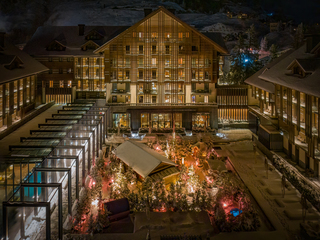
(273, 51)
(252, 37)
(193, 180)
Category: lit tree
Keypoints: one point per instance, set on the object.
(193, 180)
(119, 186)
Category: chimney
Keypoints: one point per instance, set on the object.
(81, 29)
(2, 34)
(147, 11)
(172, 10)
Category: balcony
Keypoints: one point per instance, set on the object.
(200, 91)
(149, 91)
(120, 91)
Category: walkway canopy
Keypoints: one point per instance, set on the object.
(142, 159)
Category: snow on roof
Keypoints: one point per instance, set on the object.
(256, 81)
(220, 48)
(309, 84)
(69, 37)
(216, 37)
(140, 157)
(8, 55)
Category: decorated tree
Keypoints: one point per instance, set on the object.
(193, 180)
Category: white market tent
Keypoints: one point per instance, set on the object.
(141, 158)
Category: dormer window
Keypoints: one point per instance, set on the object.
(56, 46)
(301, 67)
(11, 62)
(93, 35)
(89, 45)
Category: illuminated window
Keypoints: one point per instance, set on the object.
(121, 119)
(180, 35)
(140, 34)
(69, 84)
(154, 86)
(79, 84)
(51, 84)
(167, 73)
(154, 35)
(61, 84)
(127, 74)
(154, 61)
(168, 35)
(134, 34)
(187, 34)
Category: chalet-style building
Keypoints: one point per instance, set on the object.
(287, 108)
(155, 73)
(17, 83)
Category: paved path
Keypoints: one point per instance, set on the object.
(284, 213)
(24, 131)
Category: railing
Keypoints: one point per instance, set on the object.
(200, 91)
(119, 91)
(162, 104)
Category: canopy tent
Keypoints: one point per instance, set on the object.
(142, 159)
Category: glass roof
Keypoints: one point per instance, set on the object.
(68, 117)
(62, 121)
(71, 112)
(36, 152)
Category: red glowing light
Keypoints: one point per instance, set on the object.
(225, 205)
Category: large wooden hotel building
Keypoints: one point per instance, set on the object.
(156, 73)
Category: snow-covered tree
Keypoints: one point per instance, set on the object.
(264, 44)
(273, 51)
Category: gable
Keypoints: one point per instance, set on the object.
(89, 45)
(171, 27)
(93, 35)
(14, 63)
(55, 46)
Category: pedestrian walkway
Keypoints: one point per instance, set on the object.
(24, 131)
(284, 213)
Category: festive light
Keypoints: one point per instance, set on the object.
(95, 202)
(183, 160)
(225, 205)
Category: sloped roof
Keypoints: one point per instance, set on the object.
(216, 37)
(221, 49)
(69, 37)
(309, 84)
(256, 81)
(165, 173)
(8, 55)
(140, 157)
(308, 65)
